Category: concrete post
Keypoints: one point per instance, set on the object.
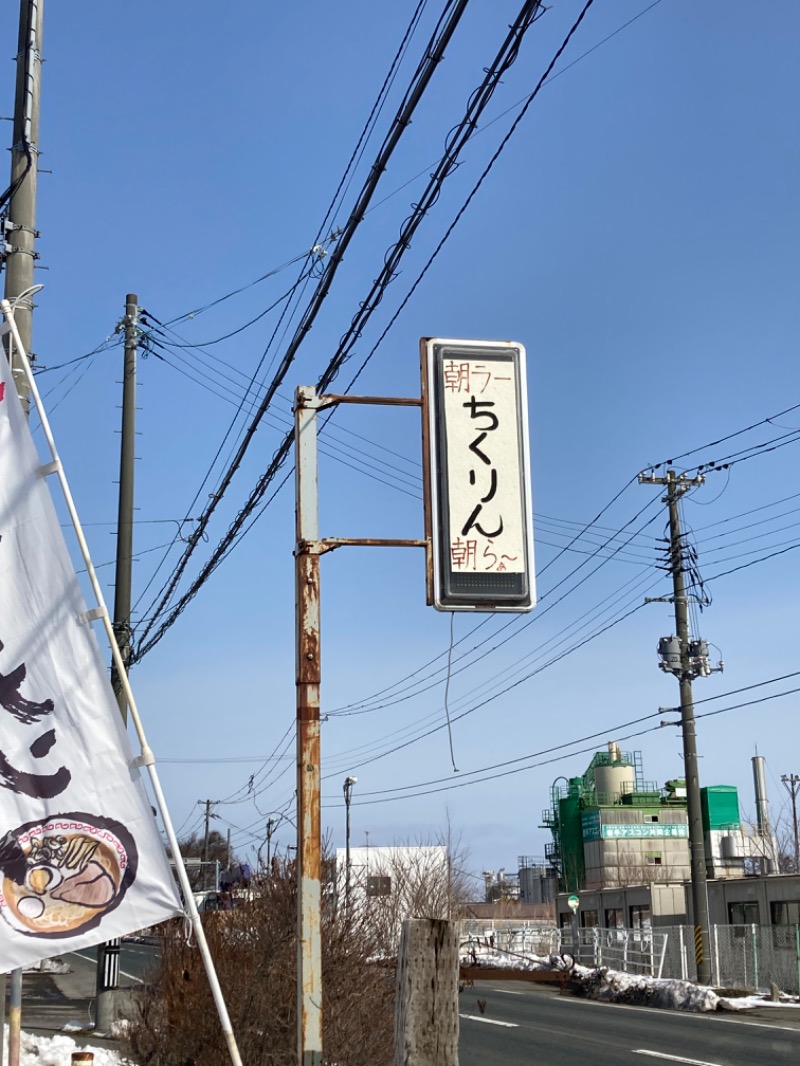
(426, 1018)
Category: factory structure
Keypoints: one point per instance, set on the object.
(621, 844)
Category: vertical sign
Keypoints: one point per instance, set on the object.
(477, 466)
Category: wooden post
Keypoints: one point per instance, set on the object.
(426, 1018)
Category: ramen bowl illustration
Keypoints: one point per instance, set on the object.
(76, 869)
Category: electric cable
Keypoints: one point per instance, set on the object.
(464, 779)
(507, 55)
(347, 344)
(434, 53)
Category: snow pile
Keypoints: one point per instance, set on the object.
(49, 966)
(476, 953)
(57, 1051)
(613, 986)
(638, 990)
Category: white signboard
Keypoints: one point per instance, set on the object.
(478, 475)
(646, 830)
(81, 860)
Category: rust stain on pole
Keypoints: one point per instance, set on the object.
(308, 676)
(331, 400)
(426, 469)
(308, 548)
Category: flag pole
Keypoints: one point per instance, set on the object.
(147, 758)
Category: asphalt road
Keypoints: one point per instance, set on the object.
(525, 1025)
(136, 963)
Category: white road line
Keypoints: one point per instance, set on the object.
(489, 1021)
(672, 1058)
(723, 1018)
(123, 973)
(508, 991)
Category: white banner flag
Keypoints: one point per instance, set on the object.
(81, 860)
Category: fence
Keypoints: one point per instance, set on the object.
(523, 937)
(630, 950)
(639, 951)
(751, 957)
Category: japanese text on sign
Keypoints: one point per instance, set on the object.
(486, 517)
(477, 480)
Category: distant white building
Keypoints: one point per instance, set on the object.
(390, 884)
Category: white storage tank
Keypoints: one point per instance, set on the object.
(731, 847)
(616, 778)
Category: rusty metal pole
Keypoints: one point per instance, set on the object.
(309, 844)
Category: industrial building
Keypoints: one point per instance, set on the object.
(610, 827)
(622, 845)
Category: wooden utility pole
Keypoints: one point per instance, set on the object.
(108, 954)
(21, 223)
(426, 1012)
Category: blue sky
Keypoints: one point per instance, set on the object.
(639, 235)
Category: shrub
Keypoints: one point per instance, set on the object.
(254, 950)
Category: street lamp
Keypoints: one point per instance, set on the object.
(348, 793)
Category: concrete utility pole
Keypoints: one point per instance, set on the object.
(684, 665)
(791, 783)
(20, 236)
(348, 795)
(308, 678)
(426, 1003)
(127, 463)
(108, 953)
(271, 824)
(17, 250)
(206, 836)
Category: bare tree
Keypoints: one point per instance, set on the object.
(254, 948)
(632, 868)
(784, 837)
(410, 880)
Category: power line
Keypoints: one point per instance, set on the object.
(464, 781)
(433, 55)
(477, 101)
(533, 619)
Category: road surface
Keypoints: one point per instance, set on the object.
(528, 1025)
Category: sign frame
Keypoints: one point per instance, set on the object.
(453, 588)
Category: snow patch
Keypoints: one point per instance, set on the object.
(57, 1051)
(613, 986)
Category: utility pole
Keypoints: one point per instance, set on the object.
(687, 658)
(791, 783)
(108, 954)
(18, 232)
(271, 823)
(206, 835)
(308, 679)
(348, 795)
(17, 252)
(127, 462)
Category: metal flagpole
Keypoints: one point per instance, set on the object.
(147, 758)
